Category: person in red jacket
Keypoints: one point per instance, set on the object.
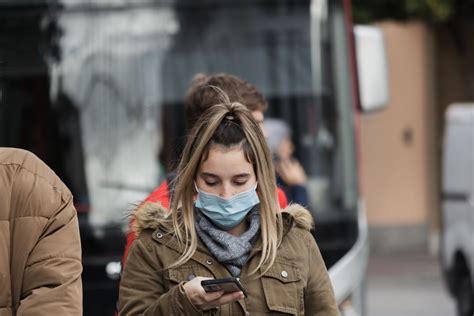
(200, 96)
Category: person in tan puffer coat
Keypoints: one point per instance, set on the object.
(40, 248)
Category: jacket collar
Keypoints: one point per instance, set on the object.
(163, 236)
(153, 216)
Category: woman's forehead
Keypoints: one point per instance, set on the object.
(222, 160)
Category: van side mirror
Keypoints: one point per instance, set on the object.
(372, 67)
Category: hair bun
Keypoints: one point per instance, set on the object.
(200, 78)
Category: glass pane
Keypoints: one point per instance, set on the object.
(106, 92)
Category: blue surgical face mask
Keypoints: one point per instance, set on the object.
(226, 213)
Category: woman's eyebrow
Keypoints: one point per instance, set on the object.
(212, 175)
(242, 175)
(208, 175)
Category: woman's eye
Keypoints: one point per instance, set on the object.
(210, 183)
(239, 183)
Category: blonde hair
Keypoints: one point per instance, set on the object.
(256, 151)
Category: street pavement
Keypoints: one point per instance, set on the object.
(407, 284)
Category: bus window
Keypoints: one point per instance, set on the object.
(96, 90)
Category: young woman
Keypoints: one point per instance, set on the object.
(199, 97)
(225, 221)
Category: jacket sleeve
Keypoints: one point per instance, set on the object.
(142, 289)
(319, 297)
(52, 276)
(282, 199)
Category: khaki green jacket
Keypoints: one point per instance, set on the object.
(296, 284)
(40, 247)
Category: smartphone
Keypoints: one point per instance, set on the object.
(227, 285)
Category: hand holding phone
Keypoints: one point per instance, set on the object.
(228, 285)
(207, 300)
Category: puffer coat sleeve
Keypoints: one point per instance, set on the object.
(40, 246)
(52, 276)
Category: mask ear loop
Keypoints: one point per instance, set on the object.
(196, 187)
(195, 195)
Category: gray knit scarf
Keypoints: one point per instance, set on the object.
(232, 251)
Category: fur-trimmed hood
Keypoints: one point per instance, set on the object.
(150, 216)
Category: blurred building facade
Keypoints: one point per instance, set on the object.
(401, 146)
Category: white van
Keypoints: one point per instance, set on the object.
(457, 249)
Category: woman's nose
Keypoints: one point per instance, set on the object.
(226, 192)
